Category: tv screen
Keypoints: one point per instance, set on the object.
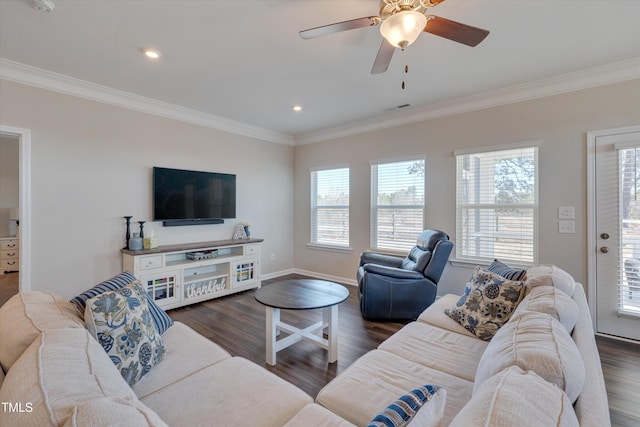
(183, 194)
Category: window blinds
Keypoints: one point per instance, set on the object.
(629, 213)
(497, 205)
(397, 204)
(330, 207)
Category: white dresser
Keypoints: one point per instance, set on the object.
(9, 254)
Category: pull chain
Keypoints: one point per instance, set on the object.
(406, 68)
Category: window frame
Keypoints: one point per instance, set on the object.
(375, 208)
(314, 242)
(466, 259)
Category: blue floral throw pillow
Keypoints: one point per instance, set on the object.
(121, 322)
(423, 407)
(487, 303)
(161, 319)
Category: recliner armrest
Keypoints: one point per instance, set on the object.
(382, 259)
(397, 273)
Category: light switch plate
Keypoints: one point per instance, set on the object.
(566, 227)
(566, 212)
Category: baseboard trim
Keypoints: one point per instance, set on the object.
(337, 279)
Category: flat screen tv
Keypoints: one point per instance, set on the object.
(184, 197)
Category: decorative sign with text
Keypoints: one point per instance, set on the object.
(205, 287)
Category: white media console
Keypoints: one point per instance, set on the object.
(177, 275)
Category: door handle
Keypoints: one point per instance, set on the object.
(604, 250)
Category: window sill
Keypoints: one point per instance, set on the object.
(330, 248)
(467, 263)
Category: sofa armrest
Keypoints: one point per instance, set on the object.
(382, 259)
(592, 406)
(397, 273)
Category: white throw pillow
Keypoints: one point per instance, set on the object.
(550, 300)
(550, 275)
(535, 342)
(514, 397)
(60, 371)
(26, 315)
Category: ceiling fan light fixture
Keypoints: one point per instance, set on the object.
(403, 28)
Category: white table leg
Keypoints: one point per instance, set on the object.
(273, 318)
(330, 318)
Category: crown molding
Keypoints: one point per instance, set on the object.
(585, 79)
(38, 77)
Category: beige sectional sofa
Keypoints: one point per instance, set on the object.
(541, 368)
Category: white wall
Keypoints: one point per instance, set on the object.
(91, 165)
(559, 122)
(9, 180)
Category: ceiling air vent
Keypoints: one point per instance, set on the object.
(41, 5)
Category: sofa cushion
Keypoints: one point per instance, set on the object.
(423, 406)
(535, 342)
(507, 272)
(552, 301)
(514, 397)
(233, 392)
(369, 384)
(187, 352)
(108, 411)
(437, 348)
(25, 315)
(160, 318)
(434, 315)
(317, 416)
(487, 303)
(551, 275)
(61, 371)
(121, 322)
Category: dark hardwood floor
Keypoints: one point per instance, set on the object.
(8, 286)
(237, 323)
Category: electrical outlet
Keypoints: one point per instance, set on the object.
(273, 256)
(566, 212)
(566, 227)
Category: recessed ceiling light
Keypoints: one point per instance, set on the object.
(297, 108)
(151, 53)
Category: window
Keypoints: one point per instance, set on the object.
(497, 205)
(397, 204)
(330, 207)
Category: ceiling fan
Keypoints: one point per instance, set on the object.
(401, 22)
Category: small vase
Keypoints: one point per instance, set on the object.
(246, 231)
(135, 243)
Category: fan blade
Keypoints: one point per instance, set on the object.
(311, 33)
(452, 30)
(383, 58)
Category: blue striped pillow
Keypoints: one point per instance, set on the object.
(403, 410)
(507, 272)
(160, 318)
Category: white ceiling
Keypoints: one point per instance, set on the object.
(241, 62)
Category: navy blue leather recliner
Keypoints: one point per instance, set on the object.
(396, 288)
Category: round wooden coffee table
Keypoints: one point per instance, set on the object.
(302, 294)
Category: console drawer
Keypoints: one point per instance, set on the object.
(150, 262)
